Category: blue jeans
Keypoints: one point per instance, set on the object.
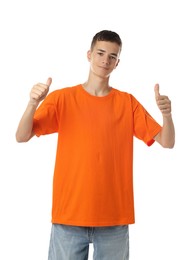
(72, 242)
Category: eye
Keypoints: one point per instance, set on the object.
(100, 53)
(113, 57)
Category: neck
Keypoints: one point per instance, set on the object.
(97, 88)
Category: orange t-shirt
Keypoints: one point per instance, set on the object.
(93, 176)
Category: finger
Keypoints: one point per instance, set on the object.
(163, 100)
(40, 87)
(49, 81)
(156, 90)
(35, 96)
(38, 90)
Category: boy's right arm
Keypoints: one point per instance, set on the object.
(24, 131)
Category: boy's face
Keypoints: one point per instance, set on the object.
(104, 58)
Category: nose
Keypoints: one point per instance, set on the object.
(106, 60)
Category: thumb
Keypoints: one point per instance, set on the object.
(156, 90)
(48, 82)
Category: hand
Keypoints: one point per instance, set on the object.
(39, 92)
(163, 102)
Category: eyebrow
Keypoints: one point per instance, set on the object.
(113, 54)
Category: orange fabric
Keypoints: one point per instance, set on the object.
(93, 177)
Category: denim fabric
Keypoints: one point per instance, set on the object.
(72, 242)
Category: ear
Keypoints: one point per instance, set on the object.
(89, 55)
(117, 63)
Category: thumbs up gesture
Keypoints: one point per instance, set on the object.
(163, 102)
(39, 91)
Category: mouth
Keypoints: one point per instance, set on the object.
(104, 68)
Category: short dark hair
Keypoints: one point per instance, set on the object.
(108, 36)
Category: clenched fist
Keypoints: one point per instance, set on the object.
(39, 92)
(163, 102)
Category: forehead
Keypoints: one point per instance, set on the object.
(108, 47)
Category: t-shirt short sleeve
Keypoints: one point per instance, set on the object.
(45, 118)
(145, 127)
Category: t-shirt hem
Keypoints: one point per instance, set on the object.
(93, 224)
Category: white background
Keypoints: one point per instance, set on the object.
(42, 38)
